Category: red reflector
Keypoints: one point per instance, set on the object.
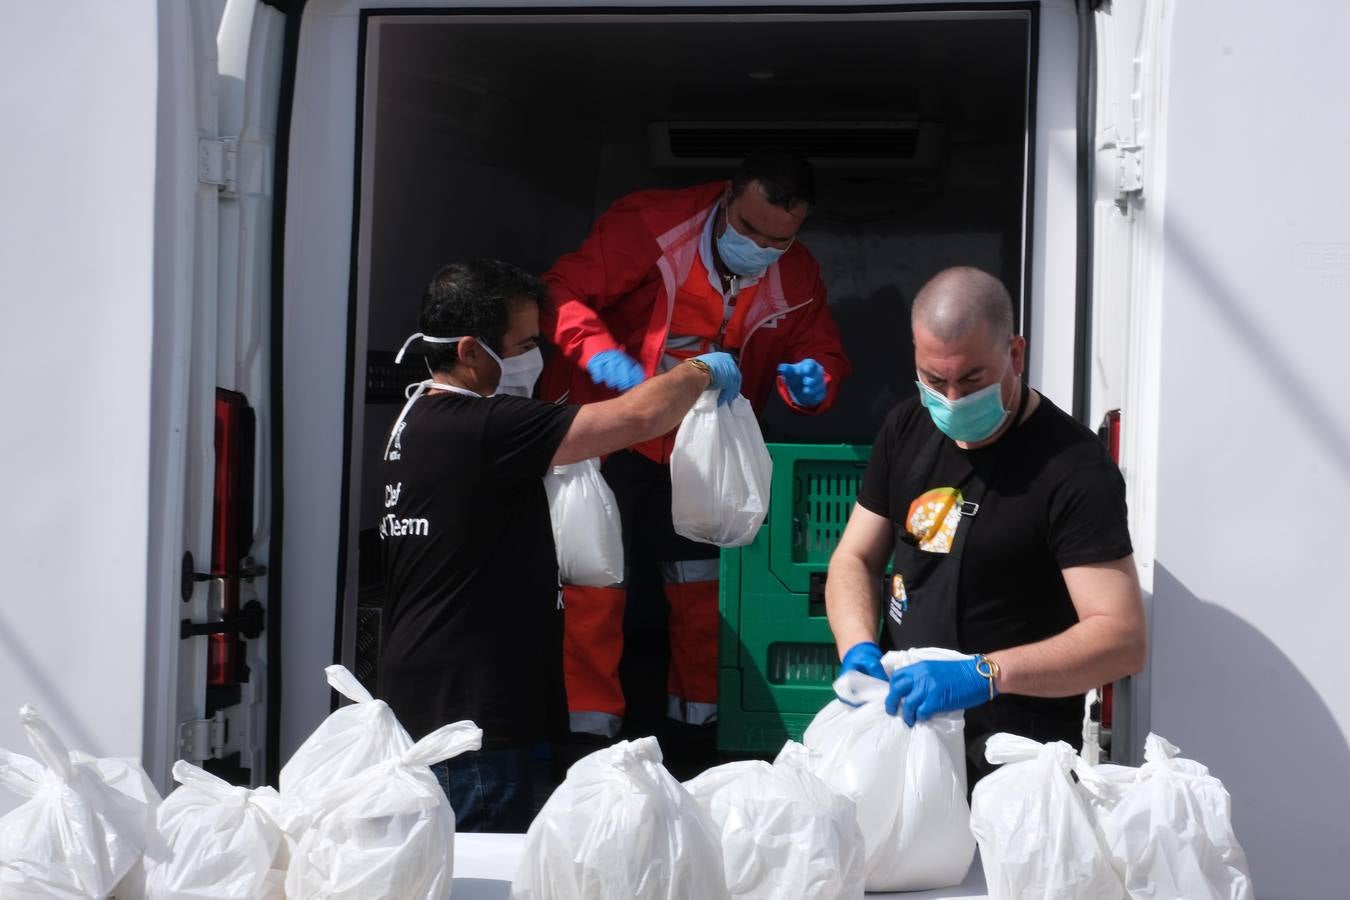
(1110, 431)
(231, 408)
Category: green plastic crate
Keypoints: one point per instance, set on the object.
(777, 652)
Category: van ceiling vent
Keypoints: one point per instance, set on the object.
(873, 144)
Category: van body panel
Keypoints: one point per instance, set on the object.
(78, 93)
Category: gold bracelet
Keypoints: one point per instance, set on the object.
(702, 367)
(990, 670)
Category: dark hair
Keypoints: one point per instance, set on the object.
(787, 178)
(473, 299)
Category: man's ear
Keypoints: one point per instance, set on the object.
(1018, 351)
(469, 351)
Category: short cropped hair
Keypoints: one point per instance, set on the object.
(787, 179)
(473, 299)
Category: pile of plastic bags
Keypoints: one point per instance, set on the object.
(620, 827)
(84, 827)
(909, 784)
(359, 815)
(1050, 825)
(786, 835)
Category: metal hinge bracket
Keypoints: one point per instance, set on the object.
(218, 163)
(200, 739)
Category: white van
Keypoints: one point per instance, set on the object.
(220, 213)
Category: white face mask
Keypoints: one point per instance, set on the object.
(518, 373)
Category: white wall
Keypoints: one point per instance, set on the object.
(78, 102)
(1253, 465)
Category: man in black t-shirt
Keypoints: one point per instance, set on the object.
(473, 618)
(1004, 521)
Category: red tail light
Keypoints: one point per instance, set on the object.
(233, 428)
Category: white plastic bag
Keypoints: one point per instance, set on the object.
(86, 823)
(586, 527)
(387, 831)
(620, 827)
(351, 739)
(719, 473)
(909, 783)
(222, 841)
(1038, 835)
(1171, 831)
(785, 834)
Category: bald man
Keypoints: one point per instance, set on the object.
(1005, 522)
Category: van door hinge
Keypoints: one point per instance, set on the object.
(218, 164)
(1129, 175)
(200, 739)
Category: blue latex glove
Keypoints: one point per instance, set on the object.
(805, 381)
(726, 375)
(924, 689)
(615, 369)
(864, 657)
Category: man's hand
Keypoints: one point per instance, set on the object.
(924, 689)
(805, 381)
(864, 657)
(615, 369)
(726, 377)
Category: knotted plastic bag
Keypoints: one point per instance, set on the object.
(1171, 830)
(351, 739)
(620, 827)
(786, 835)
(909, 784)
(85, 825)
(1036, 827)
(586, 528)
(387, 831)
(222, 841)
(720, 473)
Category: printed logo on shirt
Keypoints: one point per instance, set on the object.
(899, 599)
(396, 446)
(933, 519)
(392, 526)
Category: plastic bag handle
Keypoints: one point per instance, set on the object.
(186, 773)
(20, 774)
(445, 742)
(1159, 751)
(1004, 748)
(51, 750)
(346, 684)
(795, 755)
(858, 689)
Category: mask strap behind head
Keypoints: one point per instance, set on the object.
(419, 336)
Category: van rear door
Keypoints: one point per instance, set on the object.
(211, 618)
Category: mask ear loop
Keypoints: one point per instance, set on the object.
(419, 336)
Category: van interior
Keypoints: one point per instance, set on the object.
(507, 135)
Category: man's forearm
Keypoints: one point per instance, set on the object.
(659, 404)
(851, 601)
(1092, 653)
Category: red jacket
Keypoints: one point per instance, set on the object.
(617, 292)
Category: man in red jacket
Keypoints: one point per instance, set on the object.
(665, 275)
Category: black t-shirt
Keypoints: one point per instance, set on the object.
(473, 624)
(1049, 498)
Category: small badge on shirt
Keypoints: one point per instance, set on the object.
(899, 598)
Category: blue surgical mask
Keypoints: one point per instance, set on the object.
(743, 256)
(970, 419)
